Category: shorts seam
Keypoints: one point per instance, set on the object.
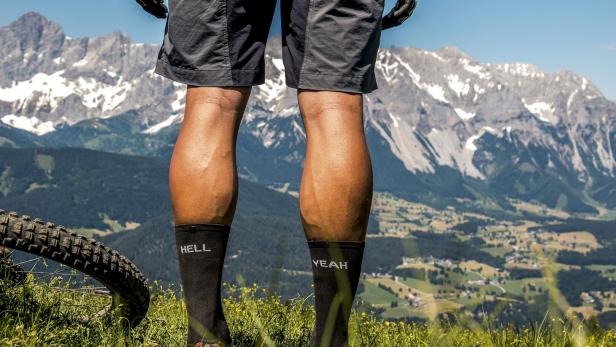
(311, 5)
(332, 75)
(226, 35)
(164, 61)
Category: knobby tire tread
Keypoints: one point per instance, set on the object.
(127, 285)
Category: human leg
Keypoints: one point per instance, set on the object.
(203, 185)
(335, 200)
(203, 173)
(336, 188)
(219, 46)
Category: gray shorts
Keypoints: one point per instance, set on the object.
(326, 44)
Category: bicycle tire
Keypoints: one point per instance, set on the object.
(127, 285)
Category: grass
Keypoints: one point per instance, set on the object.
(498, 251)
(37, 315)
(515, 287)
(376, 295)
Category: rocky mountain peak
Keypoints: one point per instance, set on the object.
(34, 29)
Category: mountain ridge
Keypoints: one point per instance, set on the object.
(508, 128)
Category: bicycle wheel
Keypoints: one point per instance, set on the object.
(78, 264)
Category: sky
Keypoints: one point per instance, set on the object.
(553, 34)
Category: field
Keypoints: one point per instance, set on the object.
(518, 264)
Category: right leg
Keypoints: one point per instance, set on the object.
(335, 199)
(203, 184)
(329, 53)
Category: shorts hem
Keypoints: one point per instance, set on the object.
(210, 78)
(353, 84)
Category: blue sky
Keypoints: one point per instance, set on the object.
(553, 34)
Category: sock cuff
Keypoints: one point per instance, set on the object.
(192, 228)
(317, 244)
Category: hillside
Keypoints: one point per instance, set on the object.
(81, 188)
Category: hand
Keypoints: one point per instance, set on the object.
(401, 12)
(156, 8)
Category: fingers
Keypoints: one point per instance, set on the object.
(156, 8)
(387, 22)
(400, 13)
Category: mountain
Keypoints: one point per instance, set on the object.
(50, 79)
(443, 128)
(82, 188)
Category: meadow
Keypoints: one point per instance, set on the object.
(40, 315)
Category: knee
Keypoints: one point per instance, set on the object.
(228, 100)
(316, 105)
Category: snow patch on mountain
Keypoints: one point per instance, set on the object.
(475, 69)
(100, 95)
(50, 89)
(394, 119)
(414, 75)
(388, 63)
(388, 69)
(435, 56)
(470, 142)
(264, 131)
(274, 87)
(29, 124)
(436, 91)
(605, 156)
(461, 88)
(82, 62)
(278, 63)
(544, 110)
(520, 69)
(179, 100)
(463, 114)
(172, 120)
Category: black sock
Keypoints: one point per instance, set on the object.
(336, 267)
(201, 252)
